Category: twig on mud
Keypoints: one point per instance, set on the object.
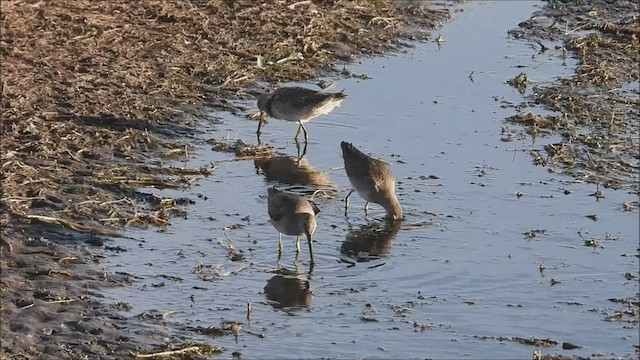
(27, 306)
(257, 334)
(65, 301)
(252, 157)
(294, 5)
(67, 258)
(125, 199)
(167, 314)
(72, 225)
(567, 32)
(169, 352)
(22, 198)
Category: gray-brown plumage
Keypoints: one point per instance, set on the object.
(292, 215)
(372, 180)
(298, 104)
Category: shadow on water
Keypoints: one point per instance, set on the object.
(298, 173)
(288, 292)
(370, 241)
(471, 203)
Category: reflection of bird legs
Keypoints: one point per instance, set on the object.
(304, 151)
(301, 127)
(346, 203)
(310, 270)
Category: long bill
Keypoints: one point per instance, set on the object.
(310, 247)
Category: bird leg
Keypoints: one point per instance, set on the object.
(304, 151)
(260, 120)
(297, 244)
(280, 247)
(301, 127)
(366, 208)
(310, 248)
(346, 202)
(298, 132)
(306, 138)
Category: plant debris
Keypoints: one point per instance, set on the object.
(596, 110)
(100, 98)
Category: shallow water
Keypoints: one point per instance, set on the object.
(460, 264)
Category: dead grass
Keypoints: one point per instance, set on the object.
(98, 97)
(596, 110)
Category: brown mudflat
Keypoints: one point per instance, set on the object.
(94, 93)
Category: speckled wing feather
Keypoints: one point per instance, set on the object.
(293, 103)
(361, 166)
(282, 204)
(278, 204)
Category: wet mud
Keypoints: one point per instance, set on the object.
(98, 99)
(592, 115)
(593, 112)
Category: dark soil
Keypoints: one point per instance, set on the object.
(98, 98)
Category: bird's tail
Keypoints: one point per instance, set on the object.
(340, 95)
(348, 150)
(273, 191)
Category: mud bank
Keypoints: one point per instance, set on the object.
(594, 112)
(97, 99)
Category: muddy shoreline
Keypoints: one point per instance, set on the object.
(595, 110)
(98, 98)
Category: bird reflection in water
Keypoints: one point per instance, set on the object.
(290, 170)
(288, 292)
(371, 241)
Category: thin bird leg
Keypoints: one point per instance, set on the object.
(310, 250)
(297, 244)
(306, 138)
(304, 151)
(260, 120)
(298, 132)
(346, 202)
(280, 247)
(366, 208)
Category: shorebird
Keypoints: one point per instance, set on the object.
(372, 180)
(292, 215)
(298, 104)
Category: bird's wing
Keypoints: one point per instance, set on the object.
(280, 204)
(372, 171)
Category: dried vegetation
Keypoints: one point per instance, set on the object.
(97, 98)
(595, 111)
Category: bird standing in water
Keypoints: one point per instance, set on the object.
(298, 104)
(292, 215)
(372, 180)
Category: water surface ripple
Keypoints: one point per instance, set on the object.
(456, 275)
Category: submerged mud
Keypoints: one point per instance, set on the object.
(594, 111)
(97, 99)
